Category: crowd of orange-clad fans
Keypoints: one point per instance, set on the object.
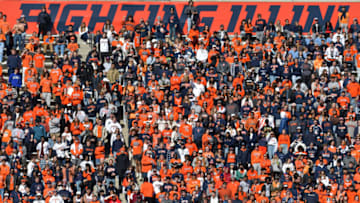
(157, 113)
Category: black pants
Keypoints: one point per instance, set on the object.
(43, 29)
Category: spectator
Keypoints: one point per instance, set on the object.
(44, 22)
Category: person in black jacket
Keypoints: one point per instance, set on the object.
(316, 27)
(243, 155)
(122, 163)
(44, 22)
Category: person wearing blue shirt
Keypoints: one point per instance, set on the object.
(294, 52)
(260, 25)
(198, 132)
(318, 40)
(13, 61)
(173, 21)
(185, 198)
(355, 27)
(39, 131)
(36, 186)
(15, 79)
(311, 196)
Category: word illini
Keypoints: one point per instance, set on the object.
(211, 13)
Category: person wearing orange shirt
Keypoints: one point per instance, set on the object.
(284, 141)
(343, 19)
(147, 189)
(76, 149)
(147, 163)
(353, 87)
(136, 146)
(48, 43)
(251, 122)
(256, 158)
(39, 61)
(193, 34)
(45, 86)
(73, 46)
(55, 74)
(77, 96)
(185, 130)
(343, 100)
(33, 86)
(6, 29)
(175, 82)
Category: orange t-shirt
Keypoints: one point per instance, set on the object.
(55, 75)
(39, 60)
(137, 145)
(45, 85)
(73, 47)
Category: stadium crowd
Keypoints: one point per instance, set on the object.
(157, 114)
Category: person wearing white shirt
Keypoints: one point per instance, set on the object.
(30, 167)
(324, 68)
(183, 151)
(214, 197)
(339, 34)
(79, 113)
(272, 144)
(288, 165)
(59, 147)
(202, 54)
(157, 185)
(332, 54)
(85, 162)
(83, 32)
(56, 198)
(104, 46)
(42, 147)
(198, 88)
(112, 124)
(107, 64)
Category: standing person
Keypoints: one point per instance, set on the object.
(19, 29)
(39, 61)
(344, 19)
(13, 61)
(191, 13)
(23, 21)
(173, 23)
(44, 22)
(6, 30)
(104, 47)
(260, 25)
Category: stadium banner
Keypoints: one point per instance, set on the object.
(213, 14)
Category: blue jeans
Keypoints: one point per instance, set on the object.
(284, 148)
(18, 41)
(272, 78)
(2, 45)
(62, 49)
(7, 40)
(271, 150)
(78, 183)
(172, 33)
(2, 193)
(109, 180)
(189, 24)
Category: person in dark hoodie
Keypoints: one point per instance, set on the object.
(13, 61)
(243, 156)
(44, 22)
(122, 163)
